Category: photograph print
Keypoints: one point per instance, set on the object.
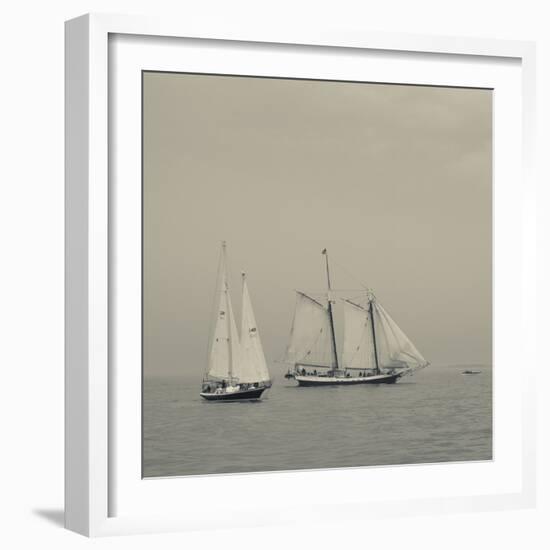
(316, 274)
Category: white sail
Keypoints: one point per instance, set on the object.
(393, 346)
(358, 348)
(225, 347)
(252, 366)
(219, 361)
(310, 337)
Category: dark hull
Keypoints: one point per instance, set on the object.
(246, 395)
(329, 381)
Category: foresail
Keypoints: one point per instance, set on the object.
(358, 348)
(310, 336)
(394, 347)
(252, 366)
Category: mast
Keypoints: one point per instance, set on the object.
(371, 315)
(330, 315)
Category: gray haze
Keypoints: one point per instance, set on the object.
(394, 180)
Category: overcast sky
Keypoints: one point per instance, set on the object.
(394, 180)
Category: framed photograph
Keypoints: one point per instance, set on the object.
(298, 276)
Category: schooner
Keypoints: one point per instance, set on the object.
(375, 349)
(237, 369)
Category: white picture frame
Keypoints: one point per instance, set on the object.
(94, 215)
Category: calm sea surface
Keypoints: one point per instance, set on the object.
(437, 415)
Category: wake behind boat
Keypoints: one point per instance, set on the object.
(237, 369)
(376, 350)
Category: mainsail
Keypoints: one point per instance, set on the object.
(225, 348)
(311, 340)
(358, 349)
(253, 366)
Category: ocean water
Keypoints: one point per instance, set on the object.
(438, 415)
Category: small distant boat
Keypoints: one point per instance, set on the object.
(237, 369)
(468, 371)
(375, 351)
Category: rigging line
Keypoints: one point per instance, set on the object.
(363, 285)
(308, 255)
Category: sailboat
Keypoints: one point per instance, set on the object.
(375, 349)
(237, 369)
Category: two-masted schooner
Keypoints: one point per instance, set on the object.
(375, 349)
(237, 369)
